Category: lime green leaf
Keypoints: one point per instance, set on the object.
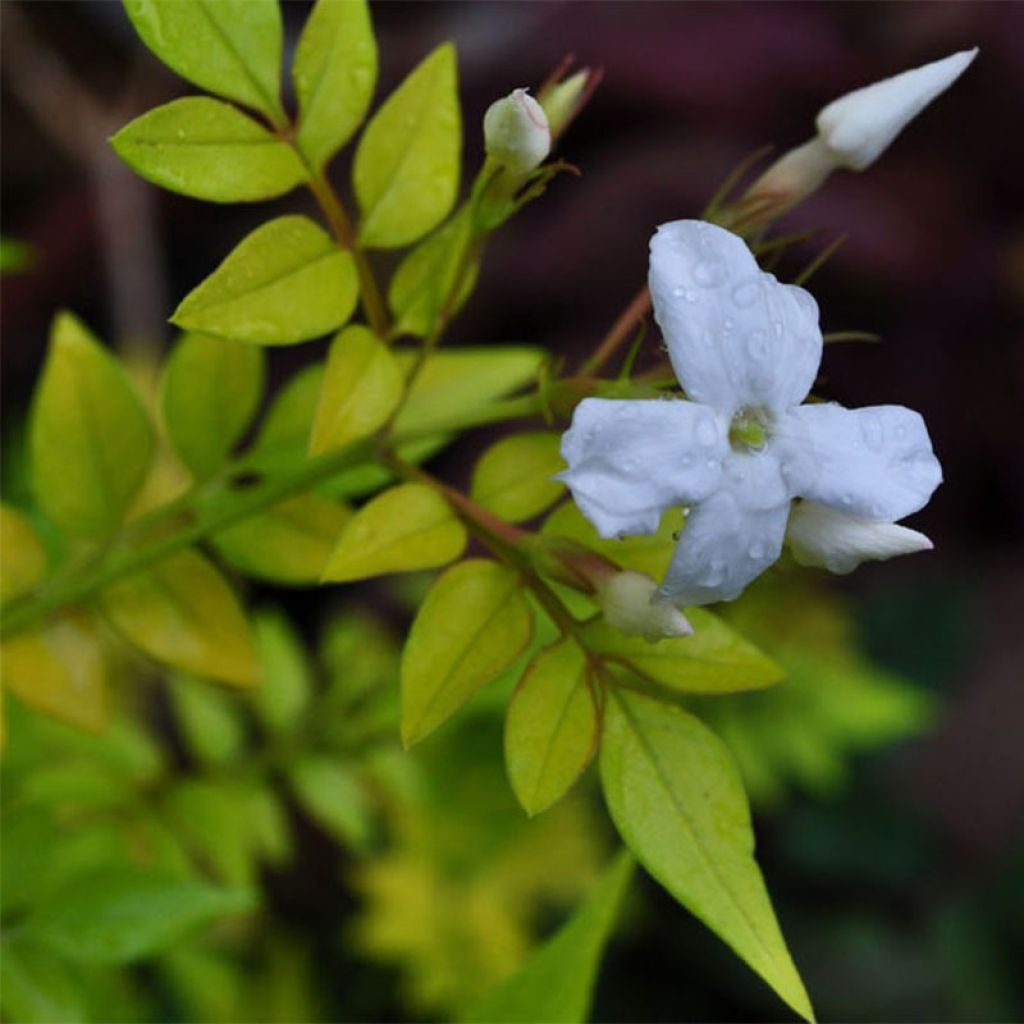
(362, 385)
(91, 439)
(333, 797)
(286, 282)
(714, 660)
(551, 730)
(60, 670)
(473, 624)
(208, 720)
(287, 684)
(16, 256)
(289, 423)
(675, 796)
(209, 150)
(228, 47)
(22, 556)
(406, 528)
(406, 169)
(181, 611)
(269, 829)
(36, 987)
(211, 390)
(335, 72)
(290, 543)
(513, 477)
(119, 915)
(556, 983)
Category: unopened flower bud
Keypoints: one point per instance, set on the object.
(561, 99)
(629, 604)
(516, 132)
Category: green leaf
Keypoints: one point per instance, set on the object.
(287, 684)
(333, 797)
(675, 796)
(269, 828)
(210, 392)
(513, 477)
(406, 528)
(335, 72)
(406, 169)
(208, 720)
(209, 150)
(36, 987)
(22, 556)
(289, 422)
(288, 544)
(91, 438)
(119, 915)
(286, 282)
(228, 47)
(551, 730)
(714, 660)
(473, 624)
(361, 387)
(181, 611)
(556, 983)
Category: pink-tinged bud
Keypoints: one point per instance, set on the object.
(629, 603)
(516, 132)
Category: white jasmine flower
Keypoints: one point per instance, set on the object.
(746, 350)
(628, 603)
(516, 132)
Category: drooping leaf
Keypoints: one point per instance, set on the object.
(551, 729)
(361, 387)
(120, 915)
(474, 623)
(406, 528)
(91, 439)
(332, 796)
(36, 987)
(513, 477)
(210, 150)
(228, 47)
(22, 556)
(714, 660)
(210, 392)
(208, 720)
(181, 611)
(406, 169)
(286, 282)
(335, 72)
(556, 984)
(287, 684)
(289, 543)
(676, 798)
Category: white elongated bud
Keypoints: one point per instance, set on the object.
(516, 132)
(629, 604)
(560, 101)
(825, 538)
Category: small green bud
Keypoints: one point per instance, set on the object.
(516, 132)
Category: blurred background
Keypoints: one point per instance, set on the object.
(901, 885)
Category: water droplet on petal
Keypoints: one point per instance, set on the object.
(757, 344)
(746, 293)
(872, 430)
(706, 430)
(678, 292)
(755, 551)
(686, 460)
(708, 273)
(727, 325)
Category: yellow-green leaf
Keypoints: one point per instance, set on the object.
(676, 798)
(361, 387)
(289, 543)
(210, 392)
(91, 439)
(287, 684)
(286, 282)
(406, 169)
(22, 557)
(513, 478)
(472, 625)
(208, 719)
(228, 47)
(551, 729)
(209, 150)
(407, 527)
(335, 71)
(181, 611)
(289, 421)
(332, 796)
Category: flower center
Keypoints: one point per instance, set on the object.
(748, 430)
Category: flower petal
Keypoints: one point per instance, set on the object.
(724, 546)
(826, 538)
(631, 460)
(735, 335)
(875, 462)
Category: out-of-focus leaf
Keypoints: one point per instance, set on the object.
(284, 283)
(208, 719)
(556, 984)
(269, 829)
(332, 796)
(551, 730)
(120, 915)
(22, 556)
(207, 149)
(181, 611)
(15, 256)
(473, 624)
(406, 168)
(36, 987)
(210, 393)
(513, 478)
(287, 684)
(675, 796)
(228, 47)
(361, 387)
(406, 528)
(91, 438)
(289, 422)
(335, 71)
